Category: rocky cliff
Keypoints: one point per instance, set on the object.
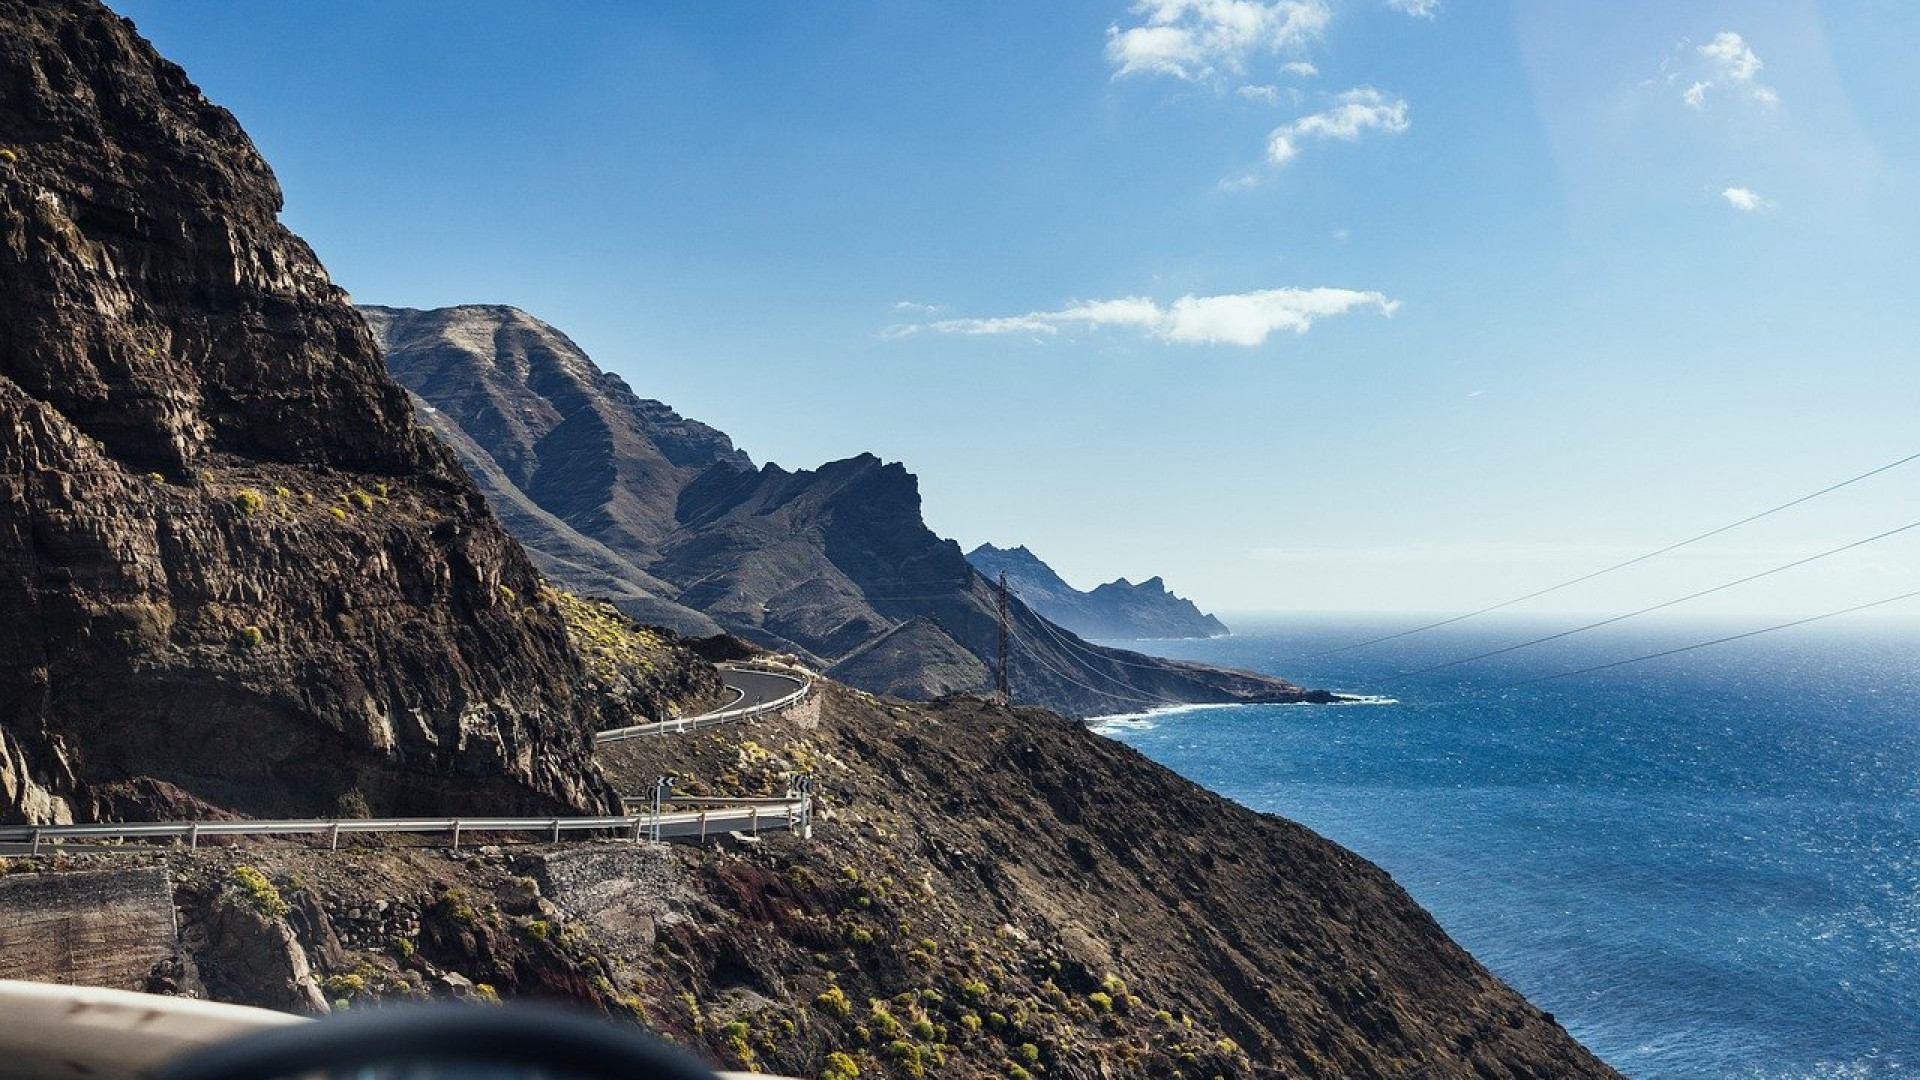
(1117, 610)
(233, 567)
(621, 496)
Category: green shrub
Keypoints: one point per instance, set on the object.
(1015, 1072)
(344, 986)
(401, 947)
(362, 500)
(249, 501)
(973, 990)
(250, 637)
(1101, 1002)
(539, 929)
(884, 1024)
(911, 1060)
(9, 155)
(453, 905)
(156, 478)
(1030, 1053)
(258, 892)
(839, 1066)
(337, 512)
(486, 994)
(833, 1002)
(859, 935)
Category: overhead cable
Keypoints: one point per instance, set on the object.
(1569, 583)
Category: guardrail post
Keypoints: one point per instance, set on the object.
(193, 837)
(35, 850)
(456, 834)
(333, 837)
(556, 830)
(753, 816)
(703, 826)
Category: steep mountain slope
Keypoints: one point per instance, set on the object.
(988, 893)
(835, 564)
(1118, 609)
(232, 567)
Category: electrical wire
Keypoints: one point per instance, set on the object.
(1657, 607)
(1569, 583)
(1715, 641)
(1137, 693)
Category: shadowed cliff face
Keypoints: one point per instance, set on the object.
(623, 497)
(229, 559)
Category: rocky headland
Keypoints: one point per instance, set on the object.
(1117, 610)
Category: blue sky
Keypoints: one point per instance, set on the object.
(1320, 305)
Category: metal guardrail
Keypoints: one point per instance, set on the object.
(718, 717)
(793, 813)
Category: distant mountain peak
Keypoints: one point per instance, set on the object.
(1118, 609)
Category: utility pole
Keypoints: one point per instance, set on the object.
(1006, 695)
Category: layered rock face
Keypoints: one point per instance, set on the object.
(623, 497)
(1118, 609)
(230, 561)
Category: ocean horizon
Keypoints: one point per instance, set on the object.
(1705, 865)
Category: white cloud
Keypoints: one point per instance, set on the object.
(1300, 69)
(924, 309)
(1198, 40)
(1268, 94)
(1245, 319)
(1729, 64)
(1419, 9)
(1745, 200)
(1354, 112)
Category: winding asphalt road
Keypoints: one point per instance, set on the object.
(755, 691)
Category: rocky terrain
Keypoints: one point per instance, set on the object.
(989, 892)
(233, 568)
(621, 496)
(1117, 610)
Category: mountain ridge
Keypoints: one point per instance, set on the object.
(822, 563)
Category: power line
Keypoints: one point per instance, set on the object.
(1715, 641)
(1569, 583)
(1656, 607)
(1137, 695)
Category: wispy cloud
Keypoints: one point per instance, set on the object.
(1726, 65)
(1353, 113)
(1245, 319)
(1300, 69)
(1746, 200)
(924, 309)
(1419, 9)
(1200, 40)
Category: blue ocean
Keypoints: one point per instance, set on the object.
(1706, 866)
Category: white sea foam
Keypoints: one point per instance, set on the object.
(1144, 721)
